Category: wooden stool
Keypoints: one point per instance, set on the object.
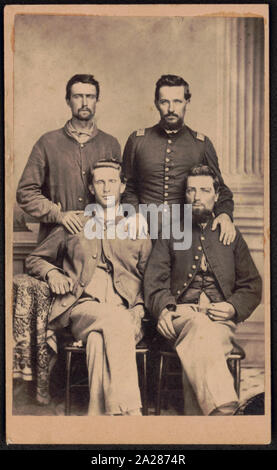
(166, 353)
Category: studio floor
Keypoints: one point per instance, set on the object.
(24, 403)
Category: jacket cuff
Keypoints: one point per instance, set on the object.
(47, 270)
(238, 317)
(223, 210)
(54, 216)
(166, 302)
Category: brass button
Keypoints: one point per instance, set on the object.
(199, 248)
(193, 266)
(167, 169)
(166, 186)
(165, 194)
(168, 150)
(185, 284)
(64, 304)
(202, 238)
(169, 141)
(166, 178)
(178, 292)
(167, 159)
(80, 199)
(166, 202)
(83, 172)
(94, 256)
(82, 145)
(82, 284)
(189, 275)
(196, 257)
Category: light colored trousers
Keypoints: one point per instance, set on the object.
(203, 346)
(109, 334)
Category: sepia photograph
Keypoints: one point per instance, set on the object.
(137, 224)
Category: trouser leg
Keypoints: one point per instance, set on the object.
(95, 364)
(116, 353)
(202, 346)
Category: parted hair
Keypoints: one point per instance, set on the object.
(205, 170)
(105, 163)
(82, 78)
(172, 80)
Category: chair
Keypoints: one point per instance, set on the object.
(166, 353)
(73, 351)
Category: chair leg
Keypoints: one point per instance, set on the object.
(144, 386)
(237, 377)
(67, 389)
(235, 371)
(158, 400)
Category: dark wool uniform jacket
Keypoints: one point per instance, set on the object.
(56, 173)
(77, 256)
(156, 165)
(169, 273)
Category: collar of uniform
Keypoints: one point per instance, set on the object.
(205, 226)
(74, 133)
(169, 133)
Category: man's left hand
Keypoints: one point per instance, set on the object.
(227, 228)
(221, 311)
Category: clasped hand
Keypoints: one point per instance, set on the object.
(219, 311)
(165, 326)
(59, 283)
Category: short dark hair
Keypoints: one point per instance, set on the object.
(172, 80)
(107, 163)
(205, 170)
(82, 78)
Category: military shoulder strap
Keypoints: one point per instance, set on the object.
(200, 136)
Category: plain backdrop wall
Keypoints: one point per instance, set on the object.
(126, 55)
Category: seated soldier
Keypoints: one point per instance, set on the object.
(198, 296)
(96, 278)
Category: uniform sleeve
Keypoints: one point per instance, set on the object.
(145, 250)
(116, 150)
(47, 255)
(157, 279)
(131, 193)
(248, 287)
(29, 192)
(225, 203)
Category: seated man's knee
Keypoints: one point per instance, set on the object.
(200, 322)
(94, 341)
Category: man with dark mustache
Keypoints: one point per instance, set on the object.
(53, 187)
(156, 160)
(198, 295)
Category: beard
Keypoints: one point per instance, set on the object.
(200, 215)
(85, 117)
(172, 126)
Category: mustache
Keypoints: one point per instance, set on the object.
(171, 114)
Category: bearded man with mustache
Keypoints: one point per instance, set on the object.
(199, 295)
